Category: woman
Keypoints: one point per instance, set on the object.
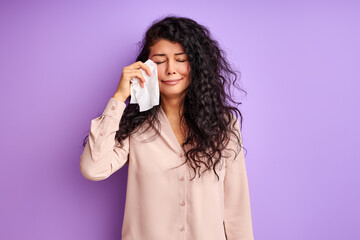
(186, 168)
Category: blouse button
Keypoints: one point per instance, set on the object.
(112, 108)
(182, 228)
(182, 203)
(181, 178)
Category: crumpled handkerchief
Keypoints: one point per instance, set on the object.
(147, 96)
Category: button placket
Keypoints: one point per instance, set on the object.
(182, 198)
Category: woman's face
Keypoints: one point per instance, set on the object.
(172, 64)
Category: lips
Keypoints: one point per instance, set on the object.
(171, 82)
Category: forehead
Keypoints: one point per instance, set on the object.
(166, 47)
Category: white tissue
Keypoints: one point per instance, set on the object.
(147, 96)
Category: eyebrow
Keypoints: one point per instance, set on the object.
(165, 55)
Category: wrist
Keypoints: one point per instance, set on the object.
(119, 97)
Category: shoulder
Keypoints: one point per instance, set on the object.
(234, 132)
(234, 123)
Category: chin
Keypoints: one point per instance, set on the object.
(172, 93)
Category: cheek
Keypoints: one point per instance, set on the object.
(184, 70)
(161, 71)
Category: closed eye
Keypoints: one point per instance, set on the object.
(165, 61)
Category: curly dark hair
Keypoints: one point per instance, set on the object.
(207, 105)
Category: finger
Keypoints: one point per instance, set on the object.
(138, 74)
(145, 67)
(140, 64)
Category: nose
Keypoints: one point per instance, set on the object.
(170, 68)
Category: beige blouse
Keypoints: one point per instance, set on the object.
(161, 201)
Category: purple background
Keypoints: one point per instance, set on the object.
(61, 62)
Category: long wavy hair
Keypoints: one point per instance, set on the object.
(208, 112)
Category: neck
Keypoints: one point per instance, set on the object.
(171, 106)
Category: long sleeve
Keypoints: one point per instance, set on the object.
(102, 155)
(237, 213)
